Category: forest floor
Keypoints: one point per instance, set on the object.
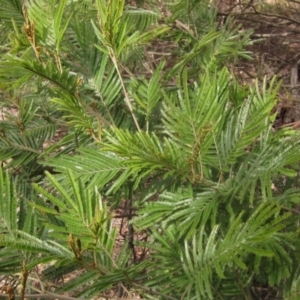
(275, 52)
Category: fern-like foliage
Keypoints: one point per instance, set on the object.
(79, 234)
(16, 216)
(138, 122)
(11, 12)
(202, 260)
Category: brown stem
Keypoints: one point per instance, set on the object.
(127, 98)
(38, 296)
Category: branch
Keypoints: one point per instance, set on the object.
(38, 296)
(127, 98)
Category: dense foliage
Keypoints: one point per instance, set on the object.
(108, 106)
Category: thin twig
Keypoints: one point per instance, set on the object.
(269, 35)
(37, 296)
(127, 98)
(153, 292)
(293, 210)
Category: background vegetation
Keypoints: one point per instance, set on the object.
(135, 164)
